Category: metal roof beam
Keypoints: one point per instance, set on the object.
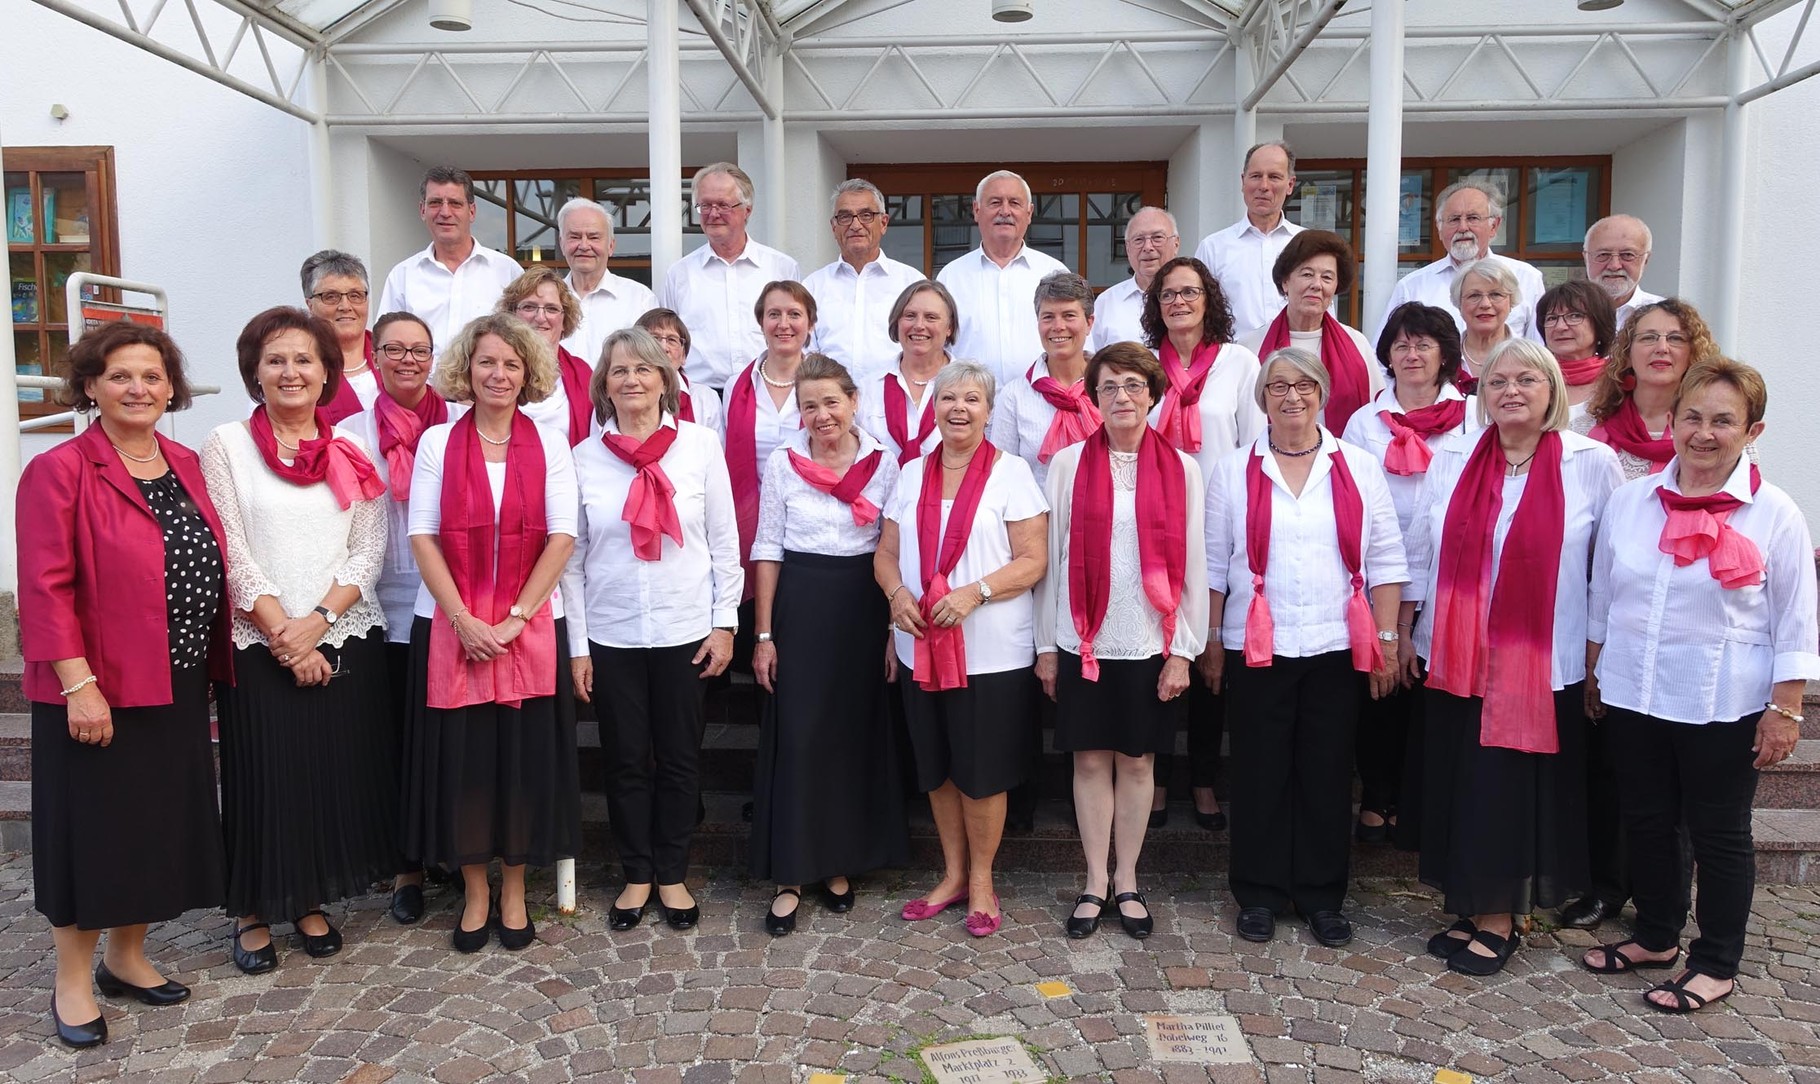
(1293, 50)
(711, 23)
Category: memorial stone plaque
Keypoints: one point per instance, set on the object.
(982, 1061)
(1201, 1040)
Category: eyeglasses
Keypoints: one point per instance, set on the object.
(334, 298)
(1186, 293)
(1149, 240)
(1526, 382)
(866, 218)
(717, 210)
(1131, 388)
(1571, 319)
(1624, 257)
(1277, 389)
(399, 351)
(1470, 221)
(445, 204)
(1648, 340)
(668, 340)
(1495, 297)
(528, 309)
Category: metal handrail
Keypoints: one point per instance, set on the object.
(70, 417)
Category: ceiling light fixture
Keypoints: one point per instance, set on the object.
(1599, 5)
(452, 14)
(1012, 11)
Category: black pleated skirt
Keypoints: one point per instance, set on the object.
(825, 793)
(487, 781)
(1502, 831)
(978, 736)
(1119, 712)
(127, 834)
(308, 781)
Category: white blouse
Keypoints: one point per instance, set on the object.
(1589, 474)
(771, 423)
(872, 408)
(1230, 417)
(1310, 341)
(1306, 581)
(1370, 432)
(558, 507)
(552, 413)
(1000, 634)
(695, 588)
(1678, 646)
(794, 515)
(1020, 419)
(1132, 628)
(366, 387)
(291, 542)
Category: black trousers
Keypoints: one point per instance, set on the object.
(1700, 776)
(1604, 818)
(1383, 738)
(650, 705)
(1206, 733)
(1292, 727)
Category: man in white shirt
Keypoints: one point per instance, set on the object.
(1242, 255)
(715, 287)
(457, 278)
(1617, 250)
(1151, 241)
(608, 302)
(994, 285)
(1467, 216)
(854, 294)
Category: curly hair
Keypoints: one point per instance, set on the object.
(1608, 390)
(451, 379)
(526, 284)
(88, 361)
(1216, 322)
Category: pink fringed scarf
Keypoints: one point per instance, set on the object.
(1180, 419)
(1162, 494)
(1075, 414)
(846, 488)
(651, 501)
(1697, 529)
(1408, 452)
(897, 409)
(400, 428)
(1339, 356)
(940, 656)
(338, 461)
(1626, 432)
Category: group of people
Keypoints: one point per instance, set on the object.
(949, 510)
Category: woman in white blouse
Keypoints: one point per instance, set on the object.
(696, 403)
(1314, 268)
(896, 408)
(658, 548)
(1702, 637)
(490, 750)
(1125, 603)
(1049, 407)
(308, 783)
(1304, 568)
(962, 546)
(827, 798)
(1498, 521)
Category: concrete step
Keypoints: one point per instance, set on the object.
(15, 746)
(1794, 783)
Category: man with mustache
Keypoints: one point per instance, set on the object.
(608, 302)
(457, 278)
(1151, 241)
(995, 284)
(1467, 216)
(1617, 250)
(1242, 255)
(854, 294)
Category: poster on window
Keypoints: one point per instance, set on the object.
(1560, 214)
(1409, 210)
(1321, 206)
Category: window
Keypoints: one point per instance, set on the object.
(518, 214)
(59, 204)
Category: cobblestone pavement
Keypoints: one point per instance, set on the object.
(858, 994)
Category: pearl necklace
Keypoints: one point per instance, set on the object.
(153, 458)
(490, 440)
(762, 375)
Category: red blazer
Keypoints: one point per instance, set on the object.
(91, 572)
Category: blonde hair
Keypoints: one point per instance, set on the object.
(526, 284)
(541, 375)
(1530, 355)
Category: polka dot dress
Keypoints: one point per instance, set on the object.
(192, 569)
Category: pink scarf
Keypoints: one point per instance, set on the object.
(1351, 380)
(400, 428)
(1162, 537)
(743, 465)
(346, 402)
(336, 460)
(897, 408)
(1626, 432)
(1581, 371)
(1180, 420)
(575, 378)
(940, 656)
(1697, 528)
(1408, 452)
(685, 404)
(1075, 414)
(846, 488)
(651, 501)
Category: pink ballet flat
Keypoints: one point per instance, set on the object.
(981, 924)
(919, 909)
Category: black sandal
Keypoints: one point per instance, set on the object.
(318, 946)
(1080, 926)
(1686, 1000)
(1445, 944)
(1616, 963)
(254, 961)
(1138, 928)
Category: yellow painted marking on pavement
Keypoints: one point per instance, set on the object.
(1053, 989)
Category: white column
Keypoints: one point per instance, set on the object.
(1244, 126)
(1383, 160)
(775, 228)
(1732, 166)
(663, 79)
(10, 453)
(322, 173)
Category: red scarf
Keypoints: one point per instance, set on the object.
(1626, 432)
(743, 467)
(1496, 641)
(1582, 371)
(1180, 420)
(897, 408)
(940, 657)
(336, 460)
(1408, 452)
(685, 405)
(651, 501)
(1349, 526)
(1162, 494)
(1075, 414)
(575, 378)
(1697, 528)
(1346, 370)
(846, 488)
(346, 402)
(400, 428)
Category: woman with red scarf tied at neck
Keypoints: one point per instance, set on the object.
(1578, 325)
(1631, 404)
(309, 797)
(1701, 638)
(1050, 407)
(962, 546)
(1119, 619)
(696, 403)
(1313, 268)
(1304, 569)
(490, 747)
(1499, 546)
(1419, 349)
(543, 300)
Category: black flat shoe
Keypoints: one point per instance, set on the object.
(1159, 817)
(624, 918)
(1139, 928)
(1371, 833)
(1080, 926)
(473, 940)
(1213, 822)
(838, 902)
(319, 946)
(1330, 928)
(165, 993)
(1445, 944)
(1257, 924)
(775, 924)
(254, 961)
(680, 918)
(79, 1036)
(1468, 962)
(407, 904)
(512, 940)
(1586, 913)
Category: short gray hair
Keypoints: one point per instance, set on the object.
(580, 204)
(856, 184)
(979, 190)
(1649, 239)
(1064, 286)
(1282, 145)
(332, 261)
(1494, 196)
(731, 169)
(1490, 268)
(644, 347)
(1530, 355)
(963, 371)
(1302, 361)
(1173, 228)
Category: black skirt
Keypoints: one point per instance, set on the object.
(1119, 712)
(825, 792)
(127, 834)
(308, 781)
(1502, 831)
(978, 736)
(488, 781)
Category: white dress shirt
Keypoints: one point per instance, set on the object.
(1306, 581)
(997, 306)
(447, 300)
(1432, 284)
(1678, 646)
(794, 515)
(695, 588)
(1638, 299)
(853, 313)
(1021, 417)
(999, 635)
(715, 297)
(614, 304)
(1118, 315)
(552, 412)
(1241, 257)
(1310, 341)
(873, 404)
(1368, 431)
(1230, 417)
(1132, 628)
(1589, 474)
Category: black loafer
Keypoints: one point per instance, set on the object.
(1468, 962)
(1445, 944)
(1213, 822)
(1257, 924)
(318, 946)
(407, 904)
(1586, 913)
(775, 924)
(79, 1036)
(1080, 926)
(469, 941)
(1139, 928)
(1330, 928)
(512, 940)
(165, 993)
(254, 961)
(624, 918)
(838, 902)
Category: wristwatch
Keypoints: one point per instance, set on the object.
(328, 615)
(1387, 636)
(764, 637)
(985, 591)
(518, 612)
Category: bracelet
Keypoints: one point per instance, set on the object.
(1404, 625)
(1768, 706)
(455, 619)
(78, 687)
(894, 592)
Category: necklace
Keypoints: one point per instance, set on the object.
(282, 444)
(762, 375)
(490, 440)
(964, 464)
(1515, 467)
(153, 458)
(1293, 455)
